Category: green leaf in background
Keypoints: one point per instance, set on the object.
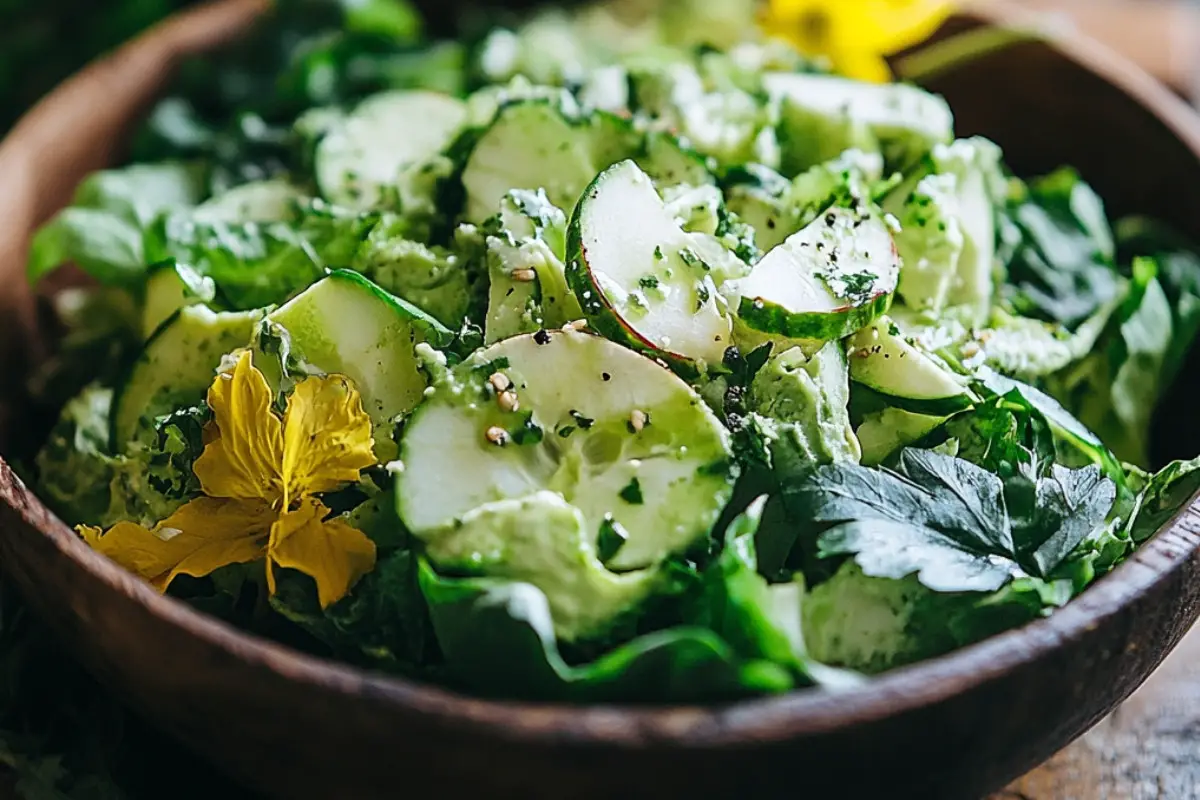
(1164, 495)
(1115, 390)
(1058, 250)
(1178, 262)
(103, 231)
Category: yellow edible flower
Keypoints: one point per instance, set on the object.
(855, 34)
(259, 474)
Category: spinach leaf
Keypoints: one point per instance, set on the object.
(1057, 247)
(498, 639)
(1074, 443)
(383, 623)
(1178, 262)
(1164, 495)
(757, 619)
(1116, 389)
(257, 264)
(103, 230)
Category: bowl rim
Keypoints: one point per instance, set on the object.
(762, 721)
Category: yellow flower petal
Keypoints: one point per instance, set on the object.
(326, 437)
(334, 554)
(861, 65)
(853, 31)
(892, 25)
(199, 538)
(243, 459)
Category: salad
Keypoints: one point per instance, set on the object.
(614, 355)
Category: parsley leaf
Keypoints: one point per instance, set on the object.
(948, 521)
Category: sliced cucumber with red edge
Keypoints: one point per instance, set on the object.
(644, 281)
(883, 360)
(831, 279)
(619, 437)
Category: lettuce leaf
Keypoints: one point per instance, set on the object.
(1057, 248)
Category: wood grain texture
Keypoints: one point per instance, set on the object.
(955, 727)
(1148, 749)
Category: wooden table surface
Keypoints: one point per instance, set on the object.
(1148, 749)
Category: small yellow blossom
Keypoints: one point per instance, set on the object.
(259, 475)
(855, 34)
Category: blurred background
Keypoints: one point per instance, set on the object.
(44, 41)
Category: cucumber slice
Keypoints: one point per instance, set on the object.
(881, 359)
(662, 155)
(617, 436)
(884, 432)
(361, 158)
(548, 144)
(345, 324)
(169, 288)
(930, 241)
(530, 145)
(641, 279)
(527, 239)
(259, 201)
(176, 368)
(981, 187)
(825, 115)
(829, 280)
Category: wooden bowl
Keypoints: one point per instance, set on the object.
(301, 727)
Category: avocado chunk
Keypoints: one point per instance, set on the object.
(543, 540)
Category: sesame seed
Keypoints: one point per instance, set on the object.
(576, 326)
(500, 382)
(508, 401)
(523, 275)
(637, 420)
(497, 436)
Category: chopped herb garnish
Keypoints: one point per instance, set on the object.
(648, 282)
(612, 538)
(689, 257)
(632, 493)
(892, 329)
(492, 367)
(565, 431)
(581, 420)
(658, 253)
(528, 432)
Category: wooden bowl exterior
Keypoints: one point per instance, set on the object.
(300, 727)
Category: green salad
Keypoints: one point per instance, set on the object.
(615, 355)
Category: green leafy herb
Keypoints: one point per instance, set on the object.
(612, 538)
(947, 521)
(528, 432)
(1058, 249)
(632, 493)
